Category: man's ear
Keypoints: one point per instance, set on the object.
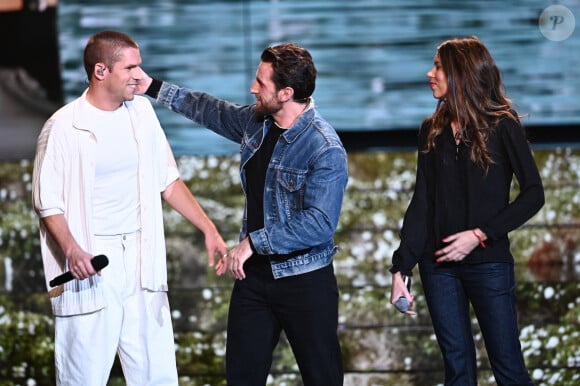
(286, 94)
(100, 70)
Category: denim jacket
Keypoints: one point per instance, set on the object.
(305, 181)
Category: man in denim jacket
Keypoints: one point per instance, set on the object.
(293, 173)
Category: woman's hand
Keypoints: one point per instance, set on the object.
(399, 289)
(460, 245)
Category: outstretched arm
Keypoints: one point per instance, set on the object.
(180, 198)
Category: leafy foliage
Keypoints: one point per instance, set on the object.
(379, 345)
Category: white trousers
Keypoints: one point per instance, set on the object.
(135, 324)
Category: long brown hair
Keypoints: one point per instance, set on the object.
(475, 97)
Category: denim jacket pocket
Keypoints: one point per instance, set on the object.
(291, 180)
(292, 183)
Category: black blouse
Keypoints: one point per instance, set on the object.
(452, 194)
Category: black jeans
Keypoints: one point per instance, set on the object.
(305, 307)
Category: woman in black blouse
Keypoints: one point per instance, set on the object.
(456, 226)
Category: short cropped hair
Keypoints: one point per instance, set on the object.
(105, 47)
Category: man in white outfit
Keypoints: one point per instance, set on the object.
(102, 166)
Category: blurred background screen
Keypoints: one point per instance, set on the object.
(371, 55)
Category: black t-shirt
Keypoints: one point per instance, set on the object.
(255, 170)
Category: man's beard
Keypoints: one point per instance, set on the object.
(268, 109)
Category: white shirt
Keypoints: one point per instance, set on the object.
(64, 181)
(115, 197)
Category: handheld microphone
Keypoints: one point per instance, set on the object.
(98, 262)
(403, 304)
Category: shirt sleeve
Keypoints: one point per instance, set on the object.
(531, 192)
(223, 117)
(414, 231)
(153, 89)
(48, 182)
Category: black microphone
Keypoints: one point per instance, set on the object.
(98, 262)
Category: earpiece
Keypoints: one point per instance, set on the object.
(100, 72)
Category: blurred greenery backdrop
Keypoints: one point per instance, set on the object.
(381, 346)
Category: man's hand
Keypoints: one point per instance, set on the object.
(215, 245)
(78, 260)
(79, 264)
(180, 198)
(234, 260)
(143, 83)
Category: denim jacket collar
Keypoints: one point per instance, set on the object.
(302, 123)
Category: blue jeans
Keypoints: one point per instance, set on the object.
(304, 306)
(490, 288)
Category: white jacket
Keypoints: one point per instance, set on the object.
(63, 181)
